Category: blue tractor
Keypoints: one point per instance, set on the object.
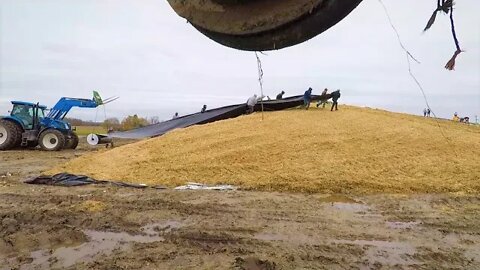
(27, 125)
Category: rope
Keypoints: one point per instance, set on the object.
(105, 114)
(454, 33)
(446, 6)
(96, 116)
(260, 79)
(396, 33)
(451, 63)
(94, 121)
(412, 75)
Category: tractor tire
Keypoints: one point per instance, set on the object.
(19, 131)
(10, 135)
(52, 140)
(73, 142)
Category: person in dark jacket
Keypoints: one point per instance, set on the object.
(335, 96)
(307, 97)
(280, 96)
(204, 108)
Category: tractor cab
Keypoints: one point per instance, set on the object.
(27, 114)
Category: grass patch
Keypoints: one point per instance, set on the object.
(85, 130)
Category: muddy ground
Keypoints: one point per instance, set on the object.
(108, 227)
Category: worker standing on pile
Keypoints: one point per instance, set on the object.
(280, 96)
(323, 100)
(335, 96)
(251, 102)
(455, 117)
(307, 97)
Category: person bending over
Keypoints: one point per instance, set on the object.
(307, 97)
(280, 96)
(323, 100)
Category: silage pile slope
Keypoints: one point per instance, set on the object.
(353, 150)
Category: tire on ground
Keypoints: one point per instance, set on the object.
(10, 135)
(52, 140)
(73, 142)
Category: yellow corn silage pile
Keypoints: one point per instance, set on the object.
(353, 150)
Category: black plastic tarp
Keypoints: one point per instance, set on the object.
(181, 122)
(286, 103)
(210, 116)
(72, 180)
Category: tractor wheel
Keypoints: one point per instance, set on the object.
(18, 131)
(10, 135)
(52, 140)
(73, 142)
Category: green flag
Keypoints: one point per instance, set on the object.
(97, 98)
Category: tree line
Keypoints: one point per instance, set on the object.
(113, 123)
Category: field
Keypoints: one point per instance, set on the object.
(359, 189)
(85, 130)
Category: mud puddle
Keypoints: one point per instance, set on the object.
(376, 252)
(162, 228)
(100, 243)
(298, 239)
(384, 252)
(399, 225)
(344, 203)
(337, 198)
(350, 207)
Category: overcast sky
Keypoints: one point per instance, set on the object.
(158, 64)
